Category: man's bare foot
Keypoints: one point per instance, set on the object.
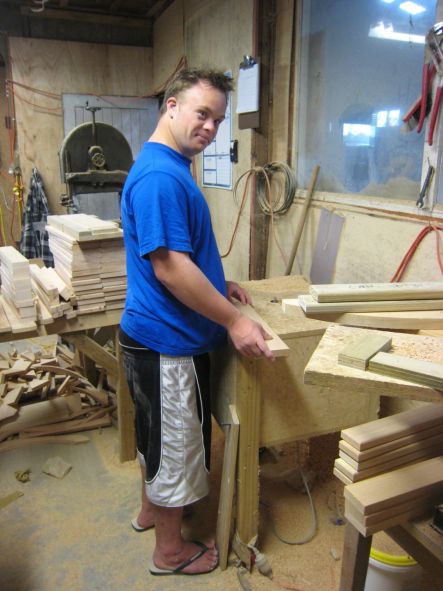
(145, 519)
(169, 561)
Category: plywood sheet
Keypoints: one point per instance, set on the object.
(323, 368)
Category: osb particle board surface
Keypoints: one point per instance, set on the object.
(323, 368)
(267, 295)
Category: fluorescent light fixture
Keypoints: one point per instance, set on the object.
(412, 7)
(388, 1)
(382, 31)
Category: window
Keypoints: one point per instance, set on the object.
(361, 71)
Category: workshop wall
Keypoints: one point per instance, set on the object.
(42, 71)
(371, 244)
(216, 34)
(10, 232)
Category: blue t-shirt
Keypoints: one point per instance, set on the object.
(162, 206)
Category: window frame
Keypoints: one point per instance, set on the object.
(433, 155)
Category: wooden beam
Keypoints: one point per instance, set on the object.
(227, 486)
(87, 17)
(264, 47)
(94, 351)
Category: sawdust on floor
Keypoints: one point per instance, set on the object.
(74, 533)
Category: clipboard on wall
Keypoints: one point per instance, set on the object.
(248, 93)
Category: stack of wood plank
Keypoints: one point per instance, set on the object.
(43, 395)
(54, 297)
(378, 455)
(390, 499)
(385, 444)
(18, 300)
(408, 306)
(89, 256)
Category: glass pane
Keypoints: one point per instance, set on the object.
(361, 71)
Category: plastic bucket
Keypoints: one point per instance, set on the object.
(392, 573)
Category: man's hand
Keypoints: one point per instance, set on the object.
(249, 338)
(235, 291)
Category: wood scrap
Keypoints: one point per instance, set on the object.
(406, 368)
(66, 401)
(358, 353)
(58, 439)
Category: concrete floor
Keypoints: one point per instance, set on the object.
(74, 534)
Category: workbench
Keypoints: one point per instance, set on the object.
(416, 536)
(273, 404)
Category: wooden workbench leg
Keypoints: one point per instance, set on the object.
(355, 560)
(125, 410)
(248, 410)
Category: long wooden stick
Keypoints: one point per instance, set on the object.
(302, 218)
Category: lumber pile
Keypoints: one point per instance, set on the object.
(392, 467)
(43, 394)
(89, 256)
(18, 300)
(390, 499)
(374, 305)
(385, 444)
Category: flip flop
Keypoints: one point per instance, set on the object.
(138, 528)
(161, 572)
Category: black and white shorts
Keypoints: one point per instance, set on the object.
(172, 422)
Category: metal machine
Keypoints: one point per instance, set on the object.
(94, 158)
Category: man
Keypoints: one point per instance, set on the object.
(178, 309)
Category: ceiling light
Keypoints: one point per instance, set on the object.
(412, 8)
(382, 31)
(388, 1)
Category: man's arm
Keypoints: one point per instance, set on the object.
(176, 271)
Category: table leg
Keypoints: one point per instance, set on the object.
(355, 560)
(248, 409)
(125, 409)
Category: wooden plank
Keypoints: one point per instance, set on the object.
(310, 306)
(323, 369)
(356, 474)
(407, 368)
(358, 292)
(357, 354)
(392, 518)
(404, 484)
(404, 320)
(417, 438)
(7, 411)
(59, 439)
(428, 443)
(41, 413)
(275, 344)
(5, 326)
(375, 433)
(381, 518)
(227, 485)
(17, 324)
